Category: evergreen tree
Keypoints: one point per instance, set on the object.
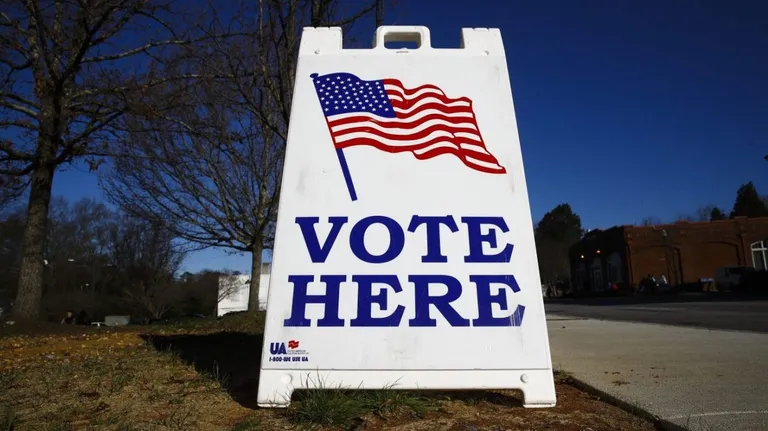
(748, 203)
(716, 214)
(555, 233)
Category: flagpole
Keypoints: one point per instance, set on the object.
(343, 163)
(345, 171)
(342, 159)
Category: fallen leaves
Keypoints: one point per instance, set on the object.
(29, 350)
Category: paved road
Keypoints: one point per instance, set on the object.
(697, 378)
(691, 310)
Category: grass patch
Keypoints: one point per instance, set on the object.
(385, 402)
(8, 379)
(219, 376)
(562, 377)
(59, 426)
(329, 407)
(181, 418)
(249, 424)
(343, 407)
(8, 420)
(119, 378)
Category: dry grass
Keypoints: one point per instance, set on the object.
(130, 388)
(111, 380)
(203, 374)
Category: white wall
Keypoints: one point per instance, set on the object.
(263, 291)
(234, 291)
(233, 294)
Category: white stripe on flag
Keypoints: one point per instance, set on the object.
(413, 117)
(401, 131)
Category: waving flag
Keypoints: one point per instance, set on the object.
(393, 118)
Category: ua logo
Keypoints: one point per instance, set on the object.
(277, 348)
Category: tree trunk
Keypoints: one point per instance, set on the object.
(30, 286)
(253, 296)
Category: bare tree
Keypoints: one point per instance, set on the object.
(704, 213)
(211, 169)
(76, 242)
(230, 285)
(11, 189)
(146, 257)
(69, 70)
(712, 213)
(651, 221)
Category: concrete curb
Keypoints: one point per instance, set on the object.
(661, 424)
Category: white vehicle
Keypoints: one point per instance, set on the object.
(728, 277)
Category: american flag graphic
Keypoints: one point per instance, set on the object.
(393, 118)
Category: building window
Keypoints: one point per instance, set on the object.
(614, 268)
(759, 256)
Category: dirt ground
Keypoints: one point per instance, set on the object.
(203, 375)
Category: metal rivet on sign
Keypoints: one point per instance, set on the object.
(487, 52)
(317, 51)
(524, 378)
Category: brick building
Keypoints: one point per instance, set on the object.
(684, 252)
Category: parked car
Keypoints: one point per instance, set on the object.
(729, 277)
(754, 282)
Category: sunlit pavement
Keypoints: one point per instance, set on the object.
(698, 378)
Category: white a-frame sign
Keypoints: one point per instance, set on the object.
(404, 250)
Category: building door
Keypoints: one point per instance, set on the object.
(597, 275)
(597, 280)
(581, 277)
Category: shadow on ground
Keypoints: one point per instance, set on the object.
(231, 357)
(235, 358)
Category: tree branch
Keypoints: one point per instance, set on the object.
(352, 18)
(144, 49)
(20, 109)
(6, 147)
(18, 123)
(13, 24)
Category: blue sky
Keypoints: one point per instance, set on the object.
(625, 109)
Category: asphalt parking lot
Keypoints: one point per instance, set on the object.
(697, 310)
